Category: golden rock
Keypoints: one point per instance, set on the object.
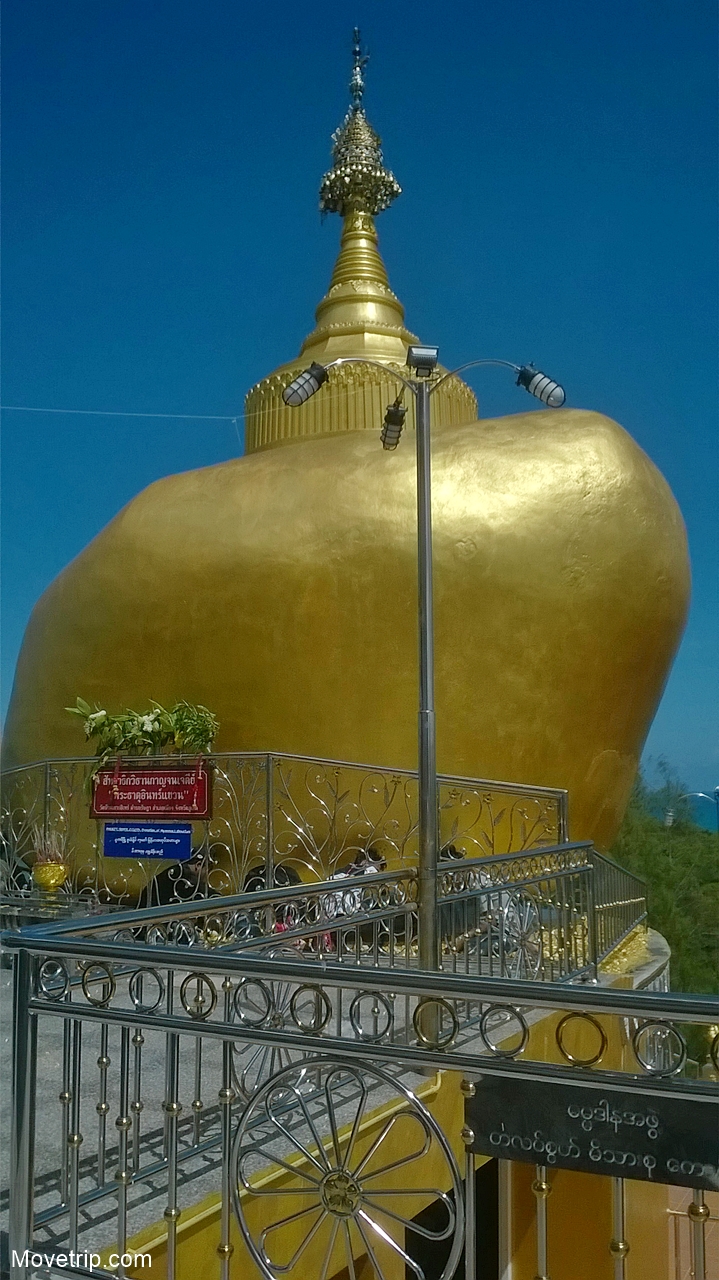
(280, 589)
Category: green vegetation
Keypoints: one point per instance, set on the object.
(680, 864)
(184, 728)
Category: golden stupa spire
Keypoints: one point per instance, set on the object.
(359, 304)
(359, 315)
(358, 181)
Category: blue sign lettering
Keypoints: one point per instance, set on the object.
(171, 840)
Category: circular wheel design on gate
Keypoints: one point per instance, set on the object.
(340, 1174)
(521, 936)
(263, 1006)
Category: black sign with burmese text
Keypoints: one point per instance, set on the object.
(619, 1134)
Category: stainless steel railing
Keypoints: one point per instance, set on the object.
(282, 819)
(276, 819)
(224, 1048)
(620, 902)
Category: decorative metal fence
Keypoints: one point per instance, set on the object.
(276, 819)
(620, 902)
(256, 1063)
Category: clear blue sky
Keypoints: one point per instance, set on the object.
(163, 250)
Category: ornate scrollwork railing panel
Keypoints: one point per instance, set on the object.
(326, 815)
(485, 819)
(292, 820)
(22, 812)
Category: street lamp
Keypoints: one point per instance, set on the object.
(703, 795)
(422, 361)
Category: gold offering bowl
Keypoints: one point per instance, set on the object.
(50, 875)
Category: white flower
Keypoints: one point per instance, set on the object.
(93, 720)
(149, 724)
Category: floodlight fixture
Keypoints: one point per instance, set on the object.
(539, 385)
(305, 385)
(423, 360)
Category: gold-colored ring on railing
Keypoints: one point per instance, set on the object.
(261, 1017)
(213, 930)
(196, 1008)
(516, 1016)
(135, 989)
(108, 981)
(322, 1002)
(668, 1030)
(52, 971)
(355, 1015)
(440, 1041)
(570, 1057)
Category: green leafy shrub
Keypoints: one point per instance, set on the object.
(184, 728)
(680, 864)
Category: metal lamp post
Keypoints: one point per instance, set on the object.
(713, 798)
(423, 362)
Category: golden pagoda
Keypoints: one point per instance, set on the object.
(279, 589)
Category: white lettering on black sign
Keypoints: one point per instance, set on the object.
(620, 1134)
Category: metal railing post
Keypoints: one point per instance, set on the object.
(225, 1248)
(22, 1140)
(619, 1248)
(427, 764)
(470, 1209)
(123, 1124)
(74, 1138)
(563, 815)
(593, 956)
(269, 835)
(64, 1098)
(698, 1212)
(469, 1090)
(541, 1189)
(103, 1106)
(504, 1197)
(270, 824)
(46, 804)
(172, 1108)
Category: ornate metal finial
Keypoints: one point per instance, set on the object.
(358, 181)
(359, 62)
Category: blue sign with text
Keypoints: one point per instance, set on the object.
(172, 840)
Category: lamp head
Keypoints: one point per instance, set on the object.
(304, 385)
(423, 360)
(539, 385)
(393, 424)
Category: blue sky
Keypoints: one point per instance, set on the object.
(163, 249)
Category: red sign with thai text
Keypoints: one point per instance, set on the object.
(149, 790)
